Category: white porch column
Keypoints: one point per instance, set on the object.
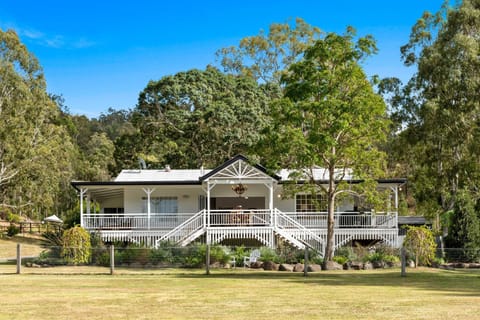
(206, 219)
(82, 194)
(269, 186)
(88, 203)
(148, 191)
(396, 210)
(270, 202)
(396, 198)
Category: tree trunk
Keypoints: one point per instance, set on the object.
(331, 218)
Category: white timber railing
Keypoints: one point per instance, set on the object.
(294, 231)
(238, 218)
(134, 221)
(187, 231)
(318, 220)
(235, 218)
(300, 229)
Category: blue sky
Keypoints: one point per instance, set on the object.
(101, 54)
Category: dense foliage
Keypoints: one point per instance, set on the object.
(464, 231)
(265, 57)
(197, 118)
(36, 154)
(435, 140)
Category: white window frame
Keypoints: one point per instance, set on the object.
(308, 206)
(161, 205)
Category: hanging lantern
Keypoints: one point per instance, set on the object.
(239, 189)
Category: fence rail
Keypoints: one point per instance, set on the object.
(105, 259)
(31, 227)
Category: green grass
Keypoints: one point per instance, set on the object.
(83, 292)
(30, 246)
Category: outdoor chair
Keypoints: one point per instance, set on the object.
(248, 260)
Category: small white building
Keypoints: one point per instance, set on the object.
(234, 202)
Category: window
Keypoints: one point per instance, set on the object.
(161, 205)
(309, 203)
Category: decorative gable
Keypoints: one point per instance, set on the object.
(238, 169)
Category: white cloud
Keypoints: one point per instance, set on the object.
(32, 34)
(83, 43)
(55, 41)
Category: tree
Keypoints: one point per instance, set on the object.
(197, 118)
(330, 118)
(115, 123)
(439, 108)
(264, 57)
(464, 230)
(35, 151)
(420, 243)
(99, 153)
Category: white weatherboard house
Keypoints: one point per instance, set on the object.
(233, 203)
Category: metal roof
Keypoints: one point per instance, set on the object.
(161, 175)
(197, 176)
(412, 220)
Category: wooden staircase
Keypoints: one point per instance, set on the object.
(282, 225)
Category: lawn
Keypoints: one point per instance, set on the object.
(77, 293)
(30, 246)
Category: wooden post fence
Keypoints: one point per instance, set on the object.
(207, 260)
(305, 263)
(112, 259)
(19, 258)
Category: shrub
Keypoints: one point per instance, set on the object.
(288, 254)
(219, 254)
(317, 260)
(46, 257)
(436, 262)
(194, 256)
(100, 254)
(268, 254)
(134, 253)
(391, 259)
(361, 252)
(101, 257)
(383, 254)
(420, 243)
(161, 255)
(340, 259)
(373, 257)
(12, 230)
(238, 253)
(348, 253)
(76, 247)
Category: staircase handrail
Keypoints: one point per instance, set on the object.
(297, 242)
(183, 226)
(297, 226)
